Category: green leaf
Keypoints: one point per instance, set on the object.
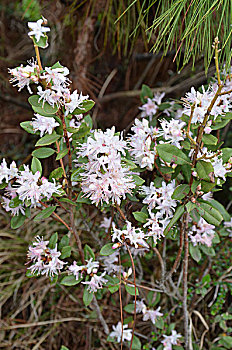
(66, 252)
(220, 125)
(204, 169)
(17, 221)
(226, 154)
(88, 252)
(43, 152)
(180, 192)
(64, 348)
(15, 202)
(131, 290)
(43, 41)
(62, 154)
(159, 323)
(70, 280)
(209, 139)
(36, 165)
(47, 140)
(190, 206)
(195, 252)
(57, 65)
(210, 214)
(207, 186)
(138, 180)
(45, 213)
(208, 250)
(220, 208)
(56, 174)
(136, 344)
(107, 249)
(85, 107)
(129, 308)
(87, 297)
(140, 216)
(64, 242)
(145, 93)
(44, 107)
(27, 126)
(177, 215)
(172, 154)
(53, 240)
(83, 130)
(3, 185)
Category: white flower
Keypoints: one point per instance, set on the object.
(218, 167)
(23, 76)
(96, 282)
(106, 223)
(75, 101)
(140, 143)
(110, 263)
(117, 333)
(202, 233)
(7, 173)
(37, 29)
(140, 306)
(76, 269)
(173, 131)
(153, 224)
(170, 340)
(57, 76)
(151, 106)
(152, 315)
(30, 187)
(43, 124)
(92, 266)
(135, 235)
(45, 260)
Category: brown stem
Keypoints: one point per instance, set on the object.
(177, 261)
(38, 57)
(76, 235)
(61, 162)
(120, 299)
(57, 216)
(134, 319)
(185, 280)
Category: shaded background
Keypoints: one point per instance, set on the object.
(109, 64)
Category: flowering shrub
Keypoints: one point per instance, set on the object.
(167, 167)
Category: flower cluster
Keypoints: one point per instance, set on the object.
(160, 200)
(29, 187)
(150, 108)
(202, 101)
(173, 131)
(170, 340)
(134, 236)
(43, 124)
(141, 145)
(148, 313)
(121, 332)
(45, 260)
(105, 179)
(91, 268)
(202, 232)
(24, 76)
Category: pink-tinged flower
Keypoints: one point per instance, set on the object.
(75, 101)
(92, 266)
(134, 235)
(6, 174)
(152, 105)
(170, 340)
(37, 29)
(141, 306)
(96, 282)
(76, 270)
(43, 124)
(57, 76)
(23, 76)
(156, 230)
(117, 332)
(141, 147)
(202, 233)
(152, 315)
(173, 131)
(45, 260)
(31, 187)
(219, 168)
